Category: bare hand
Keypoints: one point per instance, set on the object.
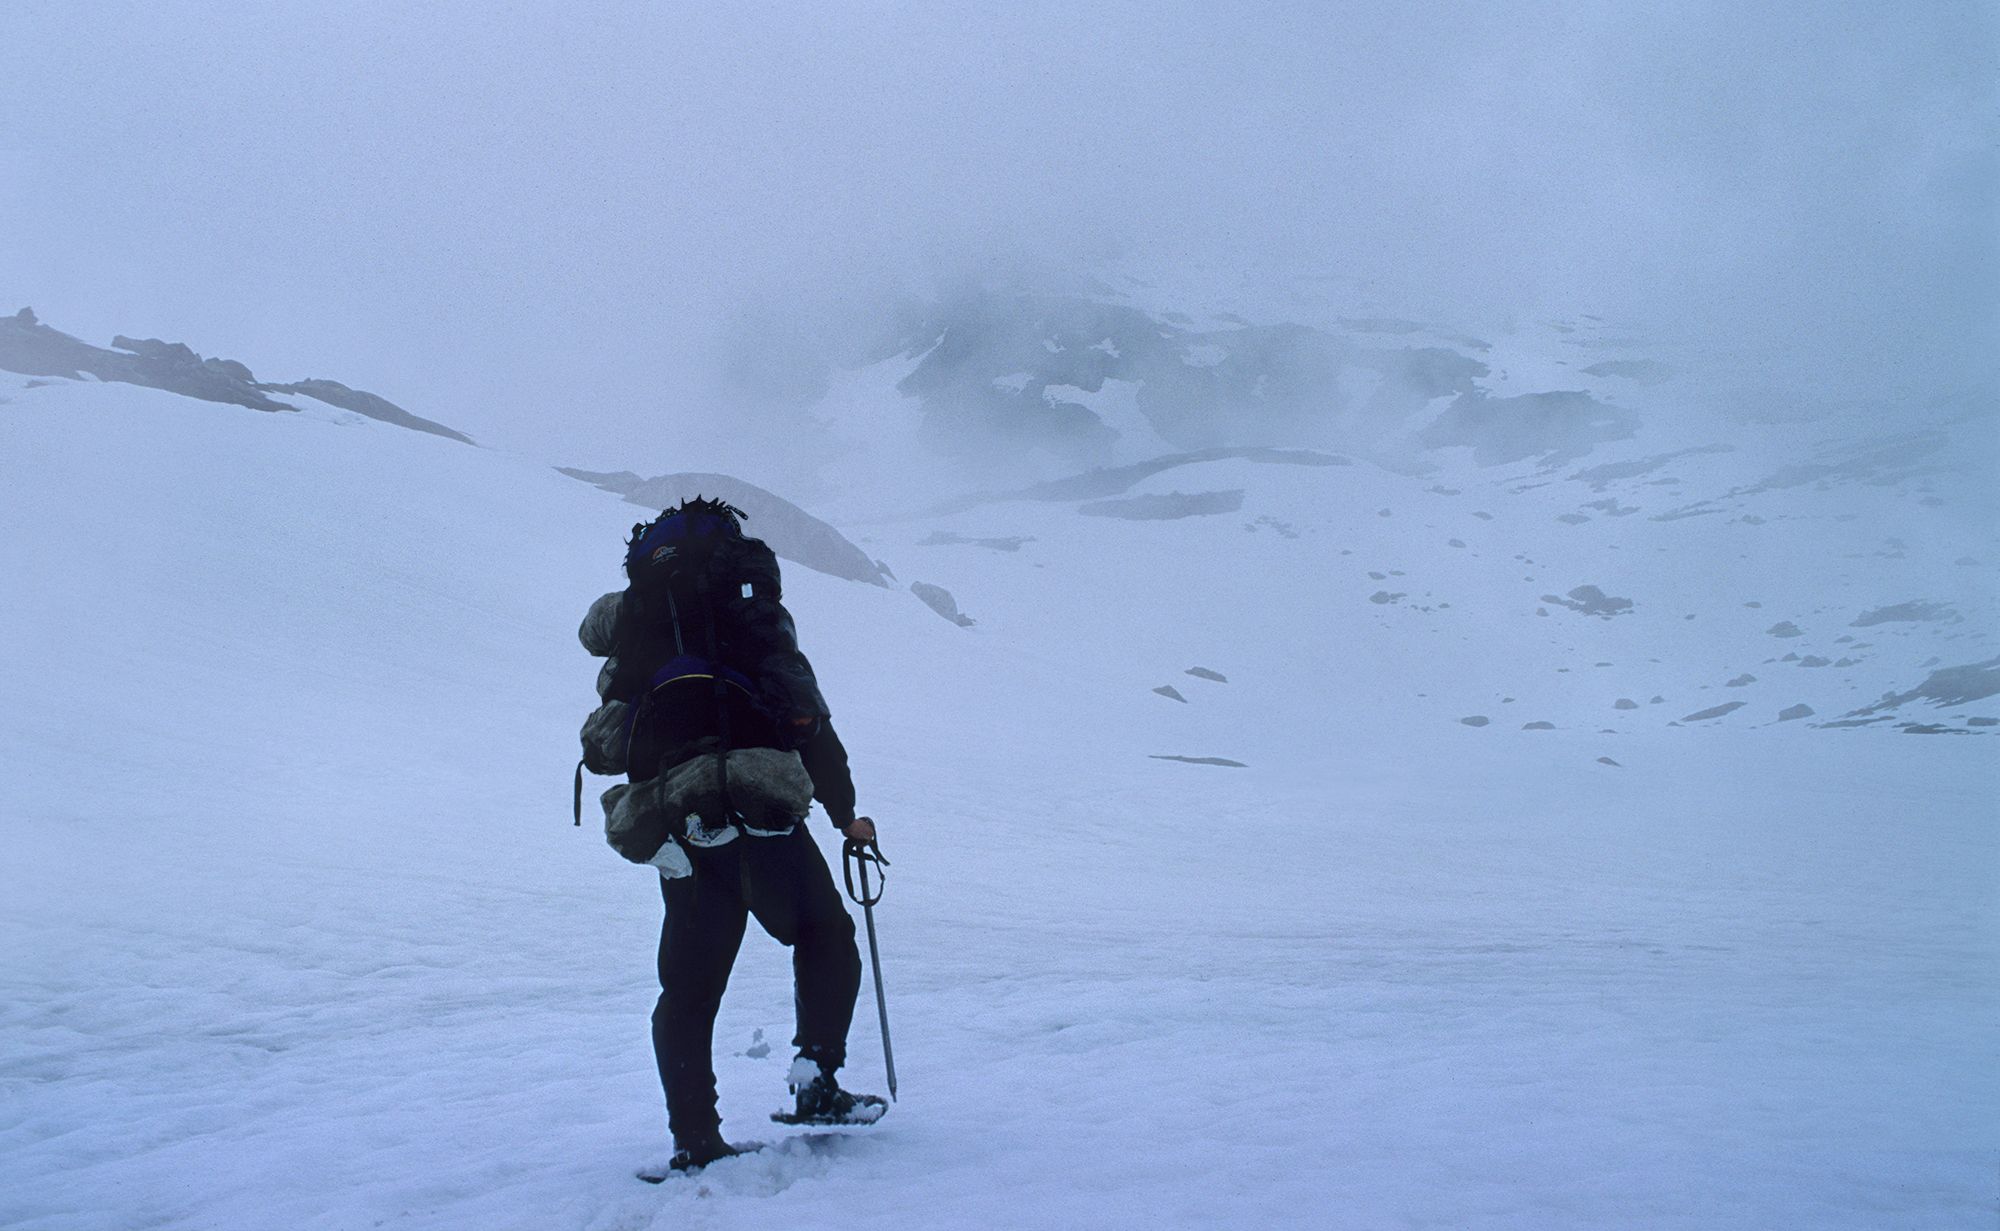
(862, 830)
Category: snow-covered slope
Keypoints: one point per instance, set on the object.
(299, 934)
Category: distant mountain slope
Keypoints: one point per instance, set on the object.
(1015, 384)
(29, 347)
(300, 934)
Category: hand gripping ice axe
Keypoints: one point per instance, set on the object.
(855, 857)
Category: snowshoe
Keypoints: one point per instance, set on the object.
(821, 1101)
(699, 1153)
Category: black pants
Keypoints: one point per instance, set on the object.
(785, 882)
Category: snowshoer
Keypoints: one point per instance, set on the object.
(714, 715)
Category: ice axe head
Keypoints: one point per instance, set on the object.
(857, 855)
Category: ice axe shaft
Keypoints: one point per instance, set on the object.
(856, 857)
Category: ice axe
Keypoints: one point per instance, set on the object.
(855, 856)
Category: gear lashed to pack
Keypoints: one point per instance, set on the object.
(701, 660)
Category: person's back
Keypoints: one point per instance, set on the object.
(713, 714)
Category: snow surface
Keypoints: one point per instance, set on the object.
(299, 935)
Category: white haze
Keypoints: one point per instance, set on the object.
(462, 206)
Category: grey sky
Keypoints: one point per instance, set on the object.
(527, 220)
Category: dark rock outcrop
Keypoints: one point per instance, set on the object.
(1167, 507)
(1592, 601)
(939, 599)
(1947, 686)
(33, 349)
(792, 532)
(361, 402)
(1001, 369)
(1117, 480)
(1553, 427)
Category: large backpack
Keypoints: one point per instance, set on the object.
(701, 654)
(680, 653)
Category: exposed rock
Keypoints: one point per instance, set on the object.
(33, 349)
(1006, 373)
(791, 531)
(1168, 507)
(1171, 693)
(362, 402)
(1475, 720)
(1609, 761)
(1116, 480)
(1642, 371)
(947, 538)
(1538, 726)
(1554, 427)
(1947, 686)
(1916, 611)
(1200, 760)
(1715, 712)
(1882, 461)
(1791, 712)
(1624, 703)
(1600, 477)
(1740, 681)
(1205, 674)
(939, 599)
(1785, 628)
(1592, 601)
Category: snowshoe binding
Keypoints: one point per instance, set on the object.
(692, 1156)
(819, 1100)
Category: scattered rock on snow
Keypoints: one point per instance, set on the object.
(1641, 371)
(1475, 720)
(1740, 681)
(1592, 601)
(939, 599)
(1790, 712)
(948, 538)
(1785, 628)
(1959, 685)
(1205, 674)
(1716, 711)
(1624, 703)
(1171, 693)
(1912, 611)
(1557, 426)
(1168, 507)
